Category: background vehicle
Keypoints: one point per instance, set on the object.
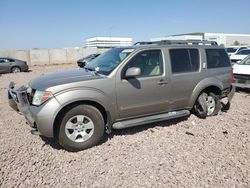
(242, 73)
(234, 49)
(85, 60)
(239, 55)
(12, 65)
(126, 87)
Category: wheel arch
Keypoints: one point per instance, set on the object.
(17, 66)
(58, 117)
(207, 85)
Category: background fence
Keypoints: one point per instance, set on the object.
(50, 56)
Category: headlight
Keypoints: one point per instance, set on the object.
(40, 97)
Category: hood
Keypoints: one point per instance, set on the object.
(241, 69)
(234, 56)
(64, 77)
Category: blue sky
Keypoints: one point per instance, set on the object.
(26, 24)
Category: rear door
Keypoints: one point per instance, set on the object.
(185, 75)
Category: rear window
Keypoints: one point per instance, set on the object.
(184, 60)
(217, 58)
(231, 50)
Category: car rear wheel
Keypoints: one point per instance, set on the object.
(207, 104)
(81, 127)
(15, 69)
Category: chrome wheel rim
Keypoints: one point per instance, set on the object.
(15, 70)
(79, 128)
(210, 105)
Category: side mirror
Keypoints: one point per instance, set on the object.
(132, 72)
(238, 61)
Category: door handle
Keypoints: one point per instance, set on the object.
(163, 82)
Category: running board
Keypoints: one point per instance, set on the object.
(150, 119)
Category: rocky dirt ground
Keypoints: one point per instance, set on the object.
(214, 152)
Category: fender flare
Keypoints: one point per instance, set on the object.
(91, 95)
(203, 84)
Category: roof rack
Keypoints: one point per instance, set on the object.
(179, 42)
(144, 43)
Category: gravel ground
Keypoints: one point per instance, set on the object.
(214, 152)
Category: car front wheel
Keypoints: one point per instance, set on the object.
(81, 127)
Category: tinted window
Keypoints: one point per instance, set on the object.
(231, 50)
(4, 60)
(10, 60)
(242, 48)
(150, 62)
(244, 52)
(184, 60)
(217, 58)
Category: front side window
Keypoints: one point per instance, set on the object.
(184, 60)
(150, 62)
(217, 58)
(5, 60)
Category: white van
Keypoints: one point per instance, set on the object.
(242, 73)
(234, 49)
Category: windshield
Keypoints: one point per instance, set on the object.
(245, 61)
(243, 52)
(231, 50)
(108, 61)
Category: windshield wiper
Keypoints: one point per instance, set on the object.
(94, 71)
(89, 69)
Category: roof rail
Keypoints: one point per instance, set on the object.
(179, 42)
(144, 43)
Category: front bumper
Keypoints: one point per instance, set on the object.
(241, 80)
(41, 117)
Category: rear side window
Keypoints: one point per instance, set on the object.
(184, 60)
(217, 58)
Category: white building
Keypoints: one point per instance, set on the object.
(220, 38)
(108, 42)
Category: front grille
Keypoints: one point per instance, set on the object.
(242, 78)
(30, 95)
(235, 60)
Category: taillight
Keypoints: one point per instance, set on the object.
(232, 76)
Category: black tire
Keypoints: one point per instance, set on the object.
(225, 107)
(202, 108)
(217, 104)
(81, 110)
(15, 69)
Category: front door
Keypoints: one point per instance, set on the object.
(147, 93)
(4, 65)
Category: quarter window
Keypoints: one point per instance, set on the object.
(150, 62)
(184, 60)
(217, 58)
